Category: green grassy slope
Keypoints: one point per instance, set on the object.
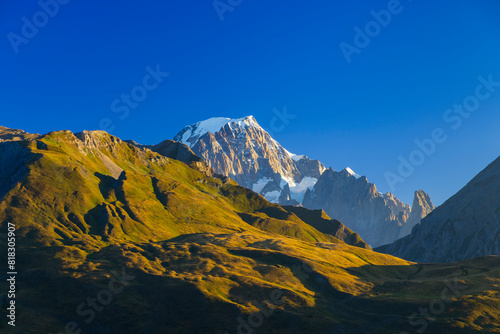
(200, 253)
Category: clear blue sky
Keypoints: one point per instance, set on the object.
(262, 56)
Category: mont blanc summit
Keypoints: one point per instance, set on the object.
(244, 151)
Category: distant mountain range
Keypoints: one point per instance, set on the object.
(242, 150)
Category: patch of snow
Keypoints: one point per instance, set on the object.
(260, 184)
(273, 196)
(287, 180)
(295, 157)
(350, 171)
(185, 137)
(298, 191)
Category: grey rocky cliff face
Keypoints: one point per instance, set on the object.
(311, 168)
(378, 218)
(466, 226)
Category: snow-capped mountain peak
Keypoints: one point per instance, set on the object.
(191, 133)
(241, 149)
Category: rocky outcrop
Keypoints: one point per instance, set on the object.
(466, 226)
(7, 134)
(422, 206)
(176, 151)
